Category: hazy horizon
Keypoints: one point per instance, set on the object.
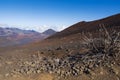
(40, 15)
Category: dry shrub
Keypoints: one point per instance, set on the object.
(105, 43)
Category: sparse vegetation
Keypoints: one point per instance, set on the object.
(84, 51)
(103, 54)
(106, 42)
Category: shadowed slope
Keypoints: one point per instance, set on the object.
(109, 22)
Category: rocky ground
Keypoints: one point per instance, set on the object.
(97, 59)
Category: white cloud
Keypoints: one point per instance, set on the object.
(60, 28)
(3, 25)
(40, 28)
(45, 27)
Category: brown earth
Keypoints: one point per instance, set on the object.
(68, 50)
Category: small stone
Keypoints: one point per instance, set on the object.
(6, 75)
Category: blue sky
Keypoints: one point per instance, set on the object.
(40, 15)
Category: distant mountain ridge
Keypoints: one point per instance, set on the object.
(15, 36)
(49, 32)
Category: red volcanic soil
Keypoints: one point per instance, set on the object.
(109, 22)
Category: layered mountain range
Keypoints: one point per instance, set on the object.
(15, 36)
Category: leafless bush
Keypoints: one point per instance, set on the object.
(106, 42)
